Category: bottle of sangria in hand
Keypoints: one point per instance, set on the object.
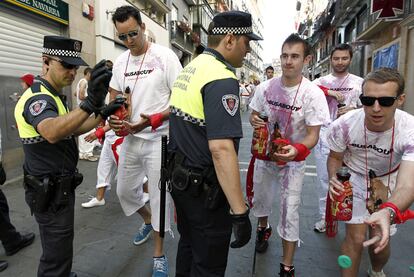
(260, 138)
(122, 114)
(342, 205)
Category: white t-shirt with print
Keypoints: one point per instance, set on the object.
(293, 108)
(347, 134)
(151, 93)
(350, 86)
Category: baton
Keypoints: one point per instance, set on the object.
(254, 255)
(163, 184)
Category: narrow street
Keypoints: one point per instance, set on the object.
(103, 237)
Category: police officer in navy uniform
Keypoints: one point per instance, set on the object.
(205, 129)
(47, 130)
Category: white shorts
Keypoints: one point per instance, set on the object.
(107, 166)
(359, 191)
(321, 152)
(140, 158)
(288, 181)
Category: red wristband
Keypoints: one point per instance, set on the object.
(99, 133)
(324, 89)
(303, 152)
(400, 217)
(155, 121)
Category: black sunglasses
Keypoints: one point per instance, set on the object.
(385, 101)
(65, 65)
(129, 34)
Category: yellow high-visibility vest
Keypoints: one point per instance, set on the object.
(27, 131)
(186, 98)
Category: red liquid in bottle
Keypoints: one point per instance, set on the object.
(259, 141)
(121, 113)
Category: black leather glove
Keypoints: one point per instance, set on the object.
(242, 229)
(97, 88)
(112, 107)
(2, 175)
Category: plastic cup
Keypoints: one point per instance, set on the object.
(344, 261)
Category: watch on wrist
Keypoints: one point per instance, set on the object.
(392, 214)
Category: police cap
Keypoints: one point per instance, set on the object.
(66, 49)
(234, 22)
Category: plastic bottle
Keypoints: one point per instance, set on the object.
(260, 139)
(342, 205)
(121, 113)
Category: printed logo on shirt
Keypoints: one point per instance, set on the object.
(374, 147)
(283, 105)
(37, 107)
(230, 103)
(139, 72)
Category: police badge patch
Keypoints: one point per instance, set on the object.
(37, 107)
(230, 103)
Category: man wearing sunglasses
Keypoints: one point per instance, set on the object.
(342, 90)
(147, 70)
(47, 130)
(379, 137)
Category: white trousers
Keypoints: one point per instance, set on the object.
(270, 179)
(321, 151)
(85, 148)
(107, 166)
(140, 158)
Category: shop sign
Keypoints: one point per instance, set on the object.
(56, 10)
(388, 9)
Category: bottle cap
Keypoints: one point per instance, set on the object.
(344, 261)
(412, 267)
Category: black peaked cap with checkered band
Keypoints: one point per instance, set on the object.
(66, 49)
(234, 22)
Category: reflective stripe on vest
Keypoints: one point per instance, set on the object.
(186, 99)
(27, 132)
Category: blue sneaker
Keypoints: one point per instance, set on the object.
(143, 234)
(160, 268)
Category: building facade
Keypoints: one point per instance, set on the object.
(23, 26)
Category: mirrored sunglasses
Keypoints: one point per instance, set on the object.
(385, 101)
(131, 34)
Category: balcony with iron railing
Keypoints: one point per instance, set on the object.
(183, 36)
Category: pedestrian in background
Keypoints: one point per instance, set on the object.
(145, 72)
(269, 72)
(205, 131)
(85, 147)
(26, 81)
(12, 240)
(342, 90)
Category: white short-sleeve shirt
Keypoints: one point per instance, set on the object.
(350, 86)
(347, 134)
(156, 74)
(293, 108)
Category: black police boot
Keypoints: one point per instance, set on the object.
(25, 240)
(3, 265)
(287, 271)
